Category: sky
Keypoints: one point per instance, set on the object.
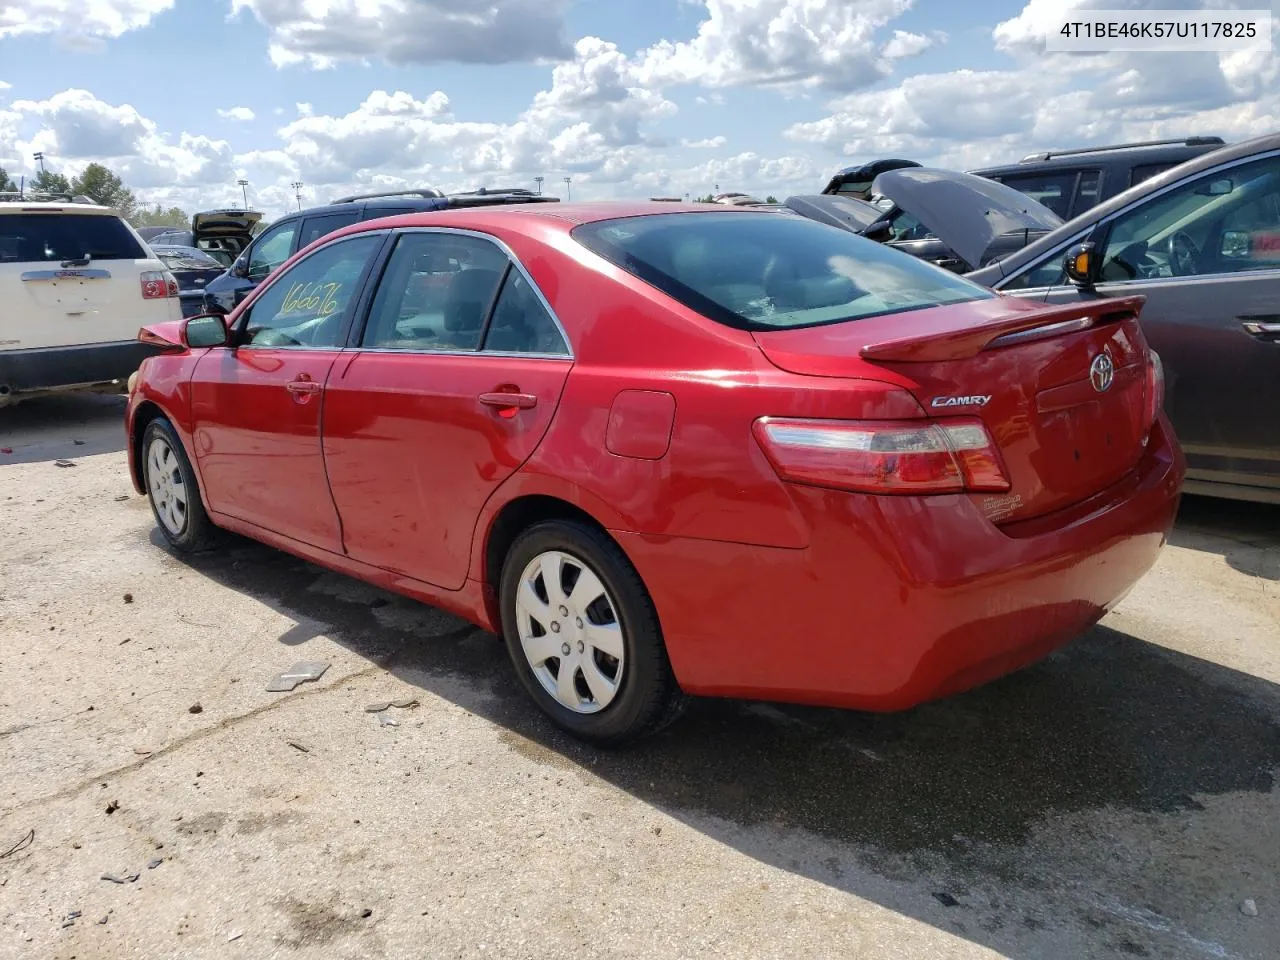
(628, 98)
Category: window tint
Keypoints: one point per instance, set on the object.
(1144, 171)
(1048, 274)
(313, 228)
(760, 271)
(45, 237)
(305, 306)
(1088, 192)
(273, 249)
(187, 258)
(1051, 189)
(435, 293)
(373, 213)
(520, 323)
(1217, 223)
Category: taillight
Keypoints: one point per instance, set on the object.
(158, 284)
(1155, 387)
(884, 456)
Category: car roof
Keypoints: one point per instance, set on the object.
(47, 207)
(1119, 155)
(1190, 168)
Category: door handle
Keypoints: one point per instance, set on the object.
(509, 401)
(302, 386)
(1261, 326)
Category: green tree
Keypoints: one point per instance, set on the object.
(771, 199)
(103, 186)
(6, 185)
(46, 181)
(160, 217)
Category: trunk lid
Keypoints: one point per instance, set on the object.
(1062, 391)
(221, 223)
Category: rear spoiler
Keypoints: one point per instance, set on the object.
(960, 343)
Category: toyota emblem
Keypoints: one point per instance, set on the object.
(1101, 372)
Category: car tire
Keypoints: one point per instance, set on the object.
(173, 491)
(640, 695)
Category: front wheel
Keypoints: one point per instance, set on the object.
(584, 636)
(172, 489)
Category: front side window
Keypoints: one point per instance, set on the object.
(54, 237)
(1218, 223)
(306, 305)
(761, 271)
(272, 249)
(435, 293)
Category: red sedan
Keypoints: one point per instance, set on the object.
(669, 450)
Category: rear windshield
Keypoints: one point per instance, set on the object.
(42, 237)
(186, 259)
(762, 271)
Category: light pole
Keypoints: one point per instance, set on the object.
(567, 194)
(297, 192)
(538, 181)
(244, 189)
(40, 157)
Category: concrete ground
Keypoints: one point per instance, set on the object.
(1118, 799)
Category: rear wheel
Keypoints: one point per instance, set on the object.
(584, 636)
(172, 489)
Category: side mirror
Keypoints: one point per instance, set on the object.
(1236, 245)
(1082, 264)
(205, 330)
(240, 269)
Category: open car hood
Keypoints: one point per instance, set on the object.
(221, 223)
(978, 219)
(847, 213)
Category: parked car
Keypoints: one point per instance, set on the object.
(223, 234)
(75, 279)
(295, 231)
(856, 181)
(1201, 242)
(674, 449)
(1069, 182)
(193, 269)
(955, 220)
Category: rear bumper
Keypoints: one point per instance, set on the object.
(900, 600)
(64, 368)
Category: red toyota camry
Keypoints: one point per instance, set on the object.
(669, 450)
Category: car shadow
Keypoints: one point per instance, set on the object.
(958, 813)
(1246, 535)
(62, 427)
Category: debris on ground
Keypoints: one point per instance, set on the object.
(103, 920)
(234, 936)
(122, 498)
(377, 707)
(78, 443)
(155, 863)
(64, 463)
(22, 844)
(6, 449)
(298, 746)
(406, 703)
(128, 598)
(298, 673)
(1249, 908)
(142, 751)
(112, 807)
(386, 721)
(946, 899)
(366, 913)
(195, 708)
(120, 877)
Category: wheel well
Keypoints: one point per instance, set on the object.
(147, 411)
(519, 515)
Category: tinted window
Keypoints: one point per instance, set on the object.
(1140, 173)
(188, 258)
(1051, 189)
(313, 228)
(1089, 192)
(372, 213)
(272, 249)
(1218, 223)
(435, 293)
(760, 271)
(44, 237)
(305, 306)
(520, 323)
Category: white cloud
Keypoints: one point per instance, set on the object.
(77, 20)
(904, 44)
(710, 143)
(5, 86)
(79, 125)
(236, 113)
(322, 34)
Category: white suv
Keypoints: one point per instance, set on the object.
(76, 283)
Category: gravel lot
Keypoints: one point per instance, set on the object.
(1118, 799)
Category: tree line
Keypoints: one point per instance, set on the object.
(102, 186)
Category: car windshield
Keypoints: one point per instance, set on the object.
(760, 271)
(44, 237)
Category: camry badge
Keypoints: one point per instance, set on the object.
(973, 401)
(1101, 372)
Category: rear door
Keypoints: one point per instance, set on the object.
(71, 276)
(1206, 255)
(452, 383)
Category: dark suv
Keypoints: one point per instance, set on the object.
(1069, 182)
(295, 231)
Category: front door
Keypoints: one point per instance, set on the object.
(456, 379)
(256, 405)
(1207, 257)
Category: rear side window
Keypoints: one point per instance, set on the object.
(762, 271)
(1053, 190)
(313, 228)
(1148, 170)
(46, 237)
